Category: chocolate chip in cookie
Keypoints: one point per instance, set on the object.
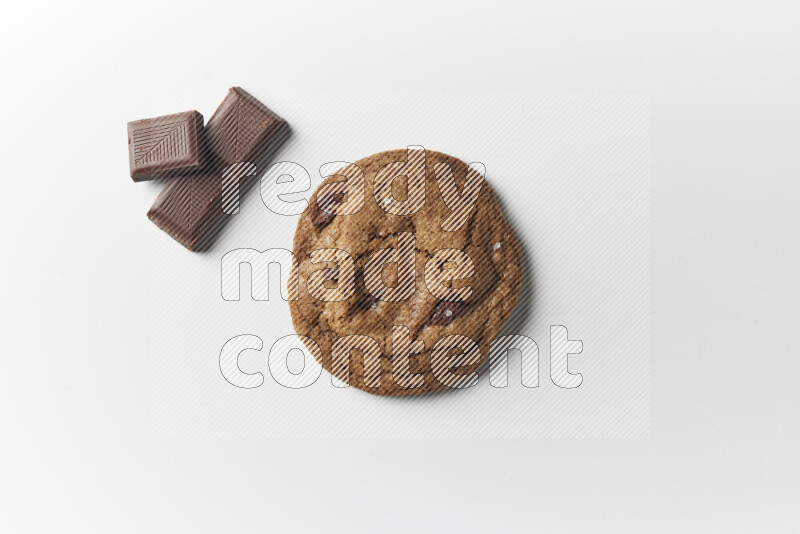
(446, 312)
(325, 204)
(365, 302)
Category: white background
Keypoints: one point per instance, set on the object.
(77, 451)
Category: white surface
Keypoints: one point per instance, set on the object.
(78, 455)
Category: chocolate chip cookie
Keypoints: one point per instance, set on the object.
(407, 272)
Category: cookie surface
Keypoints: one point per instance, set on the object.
(396, 300)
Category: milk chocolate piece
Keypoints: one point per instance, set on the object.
(242, 130)
(163, 147)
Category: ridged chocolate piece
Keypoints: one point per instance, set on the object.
(242, 130)
(163, 147)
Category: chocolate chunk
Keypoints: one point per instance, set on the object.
(322, 219)
(190, 209)
(365, 302)
(326, 203)
(163, 147)
(331, 277)
(446, 312)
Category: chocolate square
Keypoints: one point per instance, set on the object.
(164, 147)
